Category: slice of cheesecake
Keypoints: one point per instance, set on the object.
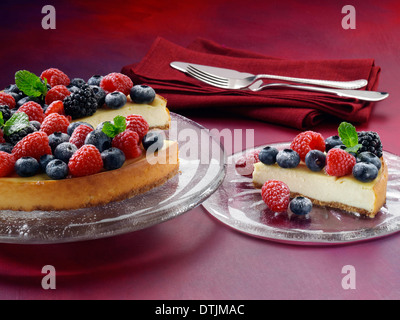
(346, 193)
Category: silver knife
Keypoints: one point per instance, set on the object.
(243, 77)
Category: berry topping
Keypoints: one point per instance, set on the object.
(268, 155)
(245, 164)
(59, 92)
(81, 103)
(74, 125)
(153, 141)
(64, 151)
(44, 160)
(369, 157)
(33, 145)
(115, 100)
(57, 169)
(142, 94)
(116, 82)
(365, 172)
(287, 158)
(306, 141)
(276, 195)
(100, 95)
(79, 135)
(33, 110)
(55, 77)
(6, 147)
(5, 111)
(339, 162)
(7, 99)
(138, 124)
(113, 158)
(128, 141)
(55, 107)
(26, 166)
(85, 161)
(57, 138)
(331, 142)
(315, 160)
(300, 205)
(77, 82)
(370, 141)
(98, 139)
(95, 80)
(7, 162)
(54, 122)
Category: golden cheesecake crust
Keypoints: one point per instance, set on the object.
(379, 188)
(134, 177)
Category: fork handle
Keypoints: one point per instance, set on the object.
(356, 94)
(356, 84)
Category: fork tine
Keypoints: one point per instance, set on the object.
(206, 76)
(209, 75)
(208, 80)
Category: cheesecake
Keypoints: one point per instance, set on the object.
(345, 193)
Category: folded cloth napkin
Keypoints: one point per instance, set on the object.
(294, 108)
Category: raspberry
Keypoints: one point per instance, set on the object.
(116, 82)
(138, 124)
(55, 77)
(276, 195)
(306, 141)
(7, 99)
(127, 141)
(54, 122)
(245, 164)
(55, 107)
(33, 145)
(59, 92)
(85, 161)
(339, 162)
(7, 162)
(33, 110)
(79, 135)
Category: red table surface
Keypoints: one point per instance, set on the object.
(194, 256)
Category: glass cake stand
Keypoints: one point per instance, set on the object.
(202, 169)
(238, 205)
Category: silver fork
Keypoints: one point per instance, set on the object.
(225, 83)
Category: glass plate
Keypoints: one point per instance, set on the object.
(239, 205)
(200, 175)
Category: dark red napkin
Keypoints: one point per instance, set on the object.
(285, 106)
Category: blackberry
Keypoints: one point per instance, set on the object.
(17, 136)
(5, 110)
(81, 103)
(370, 141)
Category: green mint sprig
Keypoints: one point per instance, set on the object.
(113, 129)
(17, 122)
(348, 135)
(30, 84)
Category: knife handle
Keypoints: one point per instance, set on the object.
(356, 84)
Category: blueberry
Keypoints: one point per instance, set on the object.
(6, 147)
(77, 82)
(71, 88)
(26, 166)
(95, 80)
(369, 157)
(99, 94)
(71, 128)
(57, 169)
(288, 158)
(36, 124)
(16, 96)
(268, 155)
(332, 142)
(27, 99)
(12, 88)
(300, 205)
(153, 141)
(115, 100)
(64, 151)
(99, 139)
(113, 158)
(57, 138)
(142, 94)
(315, 160)
(365, 172)
(101, 125)
(44, 160)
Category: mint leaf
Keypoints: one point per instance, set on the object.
(348, 135)
(1, 119)
(113, 129)
(18, 121)
(30, 84)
